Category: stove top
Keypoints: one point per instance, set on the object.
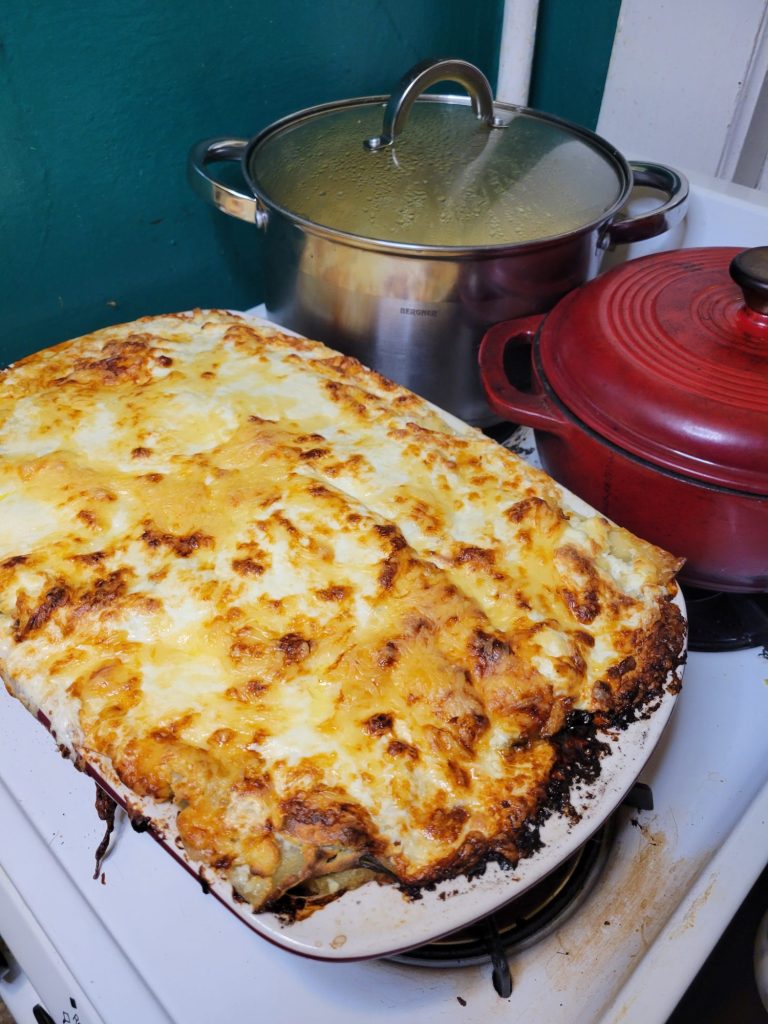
(143, 942)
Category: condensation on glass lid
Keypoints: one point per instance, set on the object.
(448, 181)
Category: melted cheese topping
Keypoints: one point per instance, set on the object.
(288, 595)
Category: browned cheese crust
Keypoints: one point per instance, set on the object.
(323, 620)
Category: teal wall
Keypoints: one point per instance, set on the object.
(99, 103)
(573, 49)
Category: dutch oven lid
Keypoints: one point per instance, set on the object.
(442, 172)
(667, 357)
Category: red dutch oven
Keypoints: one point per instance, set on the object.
(649, 399)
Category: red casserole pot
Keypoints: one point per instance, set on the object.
(649, 399)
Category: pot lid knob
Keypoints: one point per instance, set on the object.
(750, 272)
(419, 78)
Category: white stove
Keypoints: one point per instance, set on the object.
(144, 943)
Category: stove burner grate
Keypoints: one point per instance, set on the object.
(724, 621)
(532, 916)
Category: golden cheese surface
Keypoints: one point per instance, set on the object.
(324, 620)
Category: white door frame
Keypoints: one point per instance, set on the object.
(688, 84)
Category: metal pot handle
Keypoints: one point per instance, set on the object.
(533, 409)
(223, 197)
(656, 221)
(419, 78)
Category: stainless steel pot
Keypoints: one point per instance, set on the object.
(402, 248)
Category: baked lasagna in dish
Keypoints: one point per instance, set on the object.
(340, 633)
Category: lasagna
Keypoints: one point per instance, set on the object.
(339, 633)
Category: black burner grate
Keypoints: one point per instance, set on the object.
(722, 621)
(522, 922)
(533, 915)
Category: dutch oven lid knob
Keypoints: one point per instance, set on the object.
(750, 272)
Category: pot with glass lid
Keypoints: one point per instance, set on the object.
(400, 240)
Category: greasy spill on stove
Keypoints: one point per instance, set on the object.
(607, 944)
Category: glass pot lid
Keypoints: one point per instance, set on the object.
(667, 357)
(445, 171)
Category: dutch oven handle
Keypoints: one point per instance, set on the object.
(532, 409)
(660, 218)
(223, 197)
